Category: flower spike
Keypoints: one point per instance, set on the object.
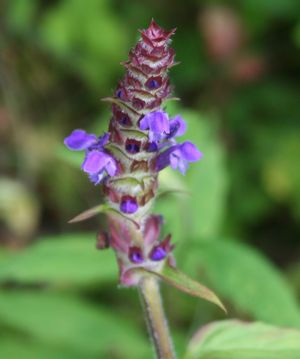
(142, 140)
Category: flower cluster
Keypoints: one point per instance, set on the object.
(142, 140)
(161, 133)
(98, 163)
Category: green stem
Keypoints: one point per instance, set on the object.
(155, 317)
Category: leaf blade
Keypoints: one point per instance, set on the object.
(233, 339)
(246, 278)
(68, 260)
(60, 319)
(184, 283)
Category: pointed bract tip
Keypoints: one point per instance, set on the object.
(156, 34)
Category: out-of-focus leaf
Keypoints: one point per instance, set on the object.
(202, 213)
(233, 339)
(93, 49)
(12, 346)
(259, 14)
(246, 278)
(264, 166)
(64, 320)
(173, 192)
(73, 158)
(20, 14)
(293, 275)
(281, 168)
(68, 259)
(206, 179)
(296, 34)
(184, 283)
(18, 208)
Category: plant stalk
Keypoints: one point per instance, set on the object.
(155, 318)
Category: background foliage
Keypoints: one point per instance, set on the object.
(238, 231)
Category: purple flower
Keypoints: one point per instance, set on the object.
(135, 255)
(158, 253)
(128, 205)
(97, 162)
(157, 122)
(80, 140)
(177, 127)
(178, 157)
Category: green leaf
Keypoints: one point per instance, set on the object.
(246, 278)
(60, 260)
(100, 40)
(75, 159)
(12, 346)
(233, 339)
(202, 214)
(72, 323)
(20, 15)
(207, 179)
(184, 283)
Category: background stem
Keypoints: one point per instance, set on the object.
(155, 317)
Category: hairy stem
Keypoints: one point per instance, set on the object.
(155, 317)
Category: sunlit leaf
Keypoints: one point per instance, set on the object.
(232, 339)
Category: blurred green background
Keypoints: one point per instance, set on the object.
(239, 230)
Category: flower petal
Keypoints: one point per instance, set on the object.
(144, 124)
(163, 159)
(159, 122)
(175, 158)
(156, 121)
(158, 253)
(190, 152)
(80, 140)
(183, 165)
(177, 126)
(177, 162)
(95, 161)
(97, 177)
(128, 205)
(111, 166)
